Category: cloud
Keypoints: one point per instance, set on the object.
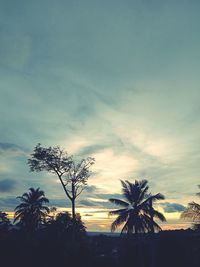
(62, 202)
(106, 204)
(7, 185)
(10, 147)
(172, 207)
(87, 203)
(16, 50)
(8, 203)
(91, 189)
(108, 196)
(89, 150)
(11, 150)
(100, 200)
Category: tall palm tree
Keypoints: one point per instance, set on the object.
(137, 213)
(31, 212)
(192, 212)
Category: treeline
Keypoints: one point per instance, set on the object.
(54, 245)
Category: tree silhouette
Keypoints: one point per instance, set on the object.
(192, 212)
(137, 214)
(72, 176)
(4, 221)
(31, 212)
(63, 223)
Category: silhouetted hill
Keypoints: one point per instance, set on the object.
(178, 248)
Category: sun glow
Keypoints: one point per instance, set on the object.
(97, 219)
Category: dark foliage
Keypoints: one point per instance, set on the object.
(4, 222)
(168, 248)
(63, 225)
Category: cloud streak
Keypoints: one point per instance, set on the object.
(173, 207)
(7, 185)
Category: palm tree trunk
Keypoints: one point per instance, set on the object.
(152, 228)
(151, 216)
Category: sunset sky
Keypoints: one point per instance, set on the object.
(115, 80)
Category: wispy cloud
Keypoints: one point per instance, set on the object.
(7, 185)
(86, 203)
(172, 207)
(12, 149)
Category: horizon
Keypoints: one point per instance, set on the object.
(115, 81)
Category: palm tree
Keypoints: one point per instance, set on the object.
(31, 212)
(192, 212)
(137, 213)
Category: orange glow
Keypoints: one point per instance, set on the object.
(97, 219)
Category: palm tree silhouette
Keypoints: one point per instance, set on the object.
(137, 214)
(31, 212)
(192, 212)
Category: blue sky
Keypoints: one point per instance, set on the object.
(116, 80)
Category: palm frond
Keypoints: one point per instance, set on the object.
(126, 190)
(188, 214)
(143, 183)
(150, 224)
(158, 196)
(118, 221)
(158, 215)
(119, 202)
(25, 196)
(152, 198)
(117, 212)
(143, 193)
(125, 228)
(192, 212)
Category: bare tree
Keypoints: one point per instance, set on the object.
(72, 176)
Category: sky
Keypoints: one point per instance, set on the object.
(115, 80)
